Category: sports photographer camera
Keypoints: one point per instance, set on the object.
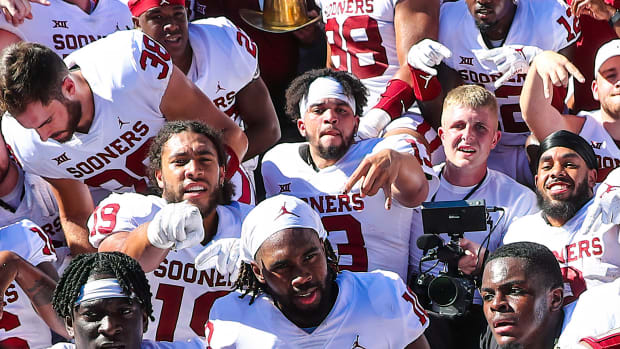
(468, 132)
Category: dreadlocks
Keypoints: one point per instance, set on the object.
(249, 284)
(125, 269)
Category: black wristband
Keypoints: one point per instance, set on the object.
(614, 19)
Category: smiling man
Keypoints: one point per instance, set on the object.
(589, 254)
(291, 294)
(522, 294)
(165, 233)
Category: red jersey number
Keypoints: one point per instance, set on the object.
(10, 322)
(355, 247)
(157, 55)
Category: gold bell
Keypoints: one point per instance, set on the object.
(279, 16)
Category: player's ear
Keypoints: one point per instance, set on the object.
(145, 321)
(159, 178)
(496, 138)
(69, 326)
(257, 272)
(136, 22)
(556, 299)
(68, 87)
(592, 176)
(301, 126)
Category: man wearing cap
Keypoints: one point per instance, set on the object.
(350, 184)
(87, 122)
(601, 128)
(292, 295)
(586, 247)
(223, 62)
(104, 300)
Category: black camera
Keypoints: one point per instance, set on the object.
(451, 293)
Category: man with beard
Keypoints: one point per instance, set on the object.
(589, 254)
(200, 49)
(522, 298)
(600, 127)
(491, 43)
(165, 234)
(366, 230)
(297, 297)
(87, 122)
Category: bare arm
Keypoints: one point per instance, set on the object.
(184, 101)
(136, 245)
(259, 116)
(596, 9)
(547, 70)
(419, 343)
(7, 38)
(37, 285)
(75, 205)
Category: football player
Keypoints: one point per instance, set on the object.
(165, 233)
(88, 121)
(200, 50)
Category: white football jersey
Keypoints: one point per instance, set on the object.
(363, 233)
(214, 41)
(372, 310)
(605, 148)
(128, 73)
(498, 190)
(596, 312)
(587, 258)
(20, 326)
(64, 27)
(38, 204)
(182, 295)
(548, 25)
(195, 343)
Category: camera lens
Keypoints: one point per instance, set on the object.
(442, 291)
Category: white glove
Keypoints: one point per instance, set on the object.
(224, 255)
(426, 54)
(372, 124)
(510, 60)
(176, 226)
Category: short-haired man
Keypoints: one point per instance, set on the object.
(491, 43)
(367, 231)
(522, 296)
(297, 297)
(601, 128)
(589, 253)
(223, 62)
(105, 301)
(88, 121)
(469, 132)
(165, 233)
(27, 280)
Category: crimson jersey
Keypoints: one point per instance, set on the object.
(605, 148)
(363, 233)
(20, 326)
(214, 41)
(64, 27)
(182, 295)
(128, 73)
(372, 310)
(587, 258)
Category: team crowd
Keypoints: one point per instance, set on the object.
(310, 174)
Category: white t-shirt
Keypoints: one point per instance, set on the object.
(128, 73)
(194, 343)
(20, 325)
(224, 61)
(372, 310)
(606, 151)
(587, 258)
(544, 24)
(363, 233)
(182, 295)
(64, 27)
(597, 311)
(498, 190)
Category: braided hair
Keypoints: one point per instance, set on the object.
(247, 282)
(125, 269)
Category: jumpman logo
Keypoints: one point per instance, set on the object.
(219, 87)
(356, 344)
(426, 78)
(164, 2)
(121, 123)
(609, 189)
(284, 211)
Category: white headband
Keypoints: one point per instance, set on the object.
(99, 289)
(321, 88)
(273, 215)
